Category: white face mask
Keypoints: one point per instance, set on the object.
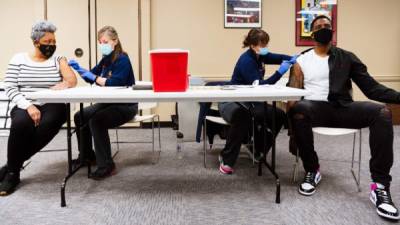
(106, 49)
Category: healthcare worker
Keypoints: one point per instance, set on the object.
(114, 69)
(250, 69)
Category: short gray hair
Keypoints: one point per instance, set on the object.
(40, 28)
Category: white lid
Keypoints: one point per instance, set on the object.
(172, 50)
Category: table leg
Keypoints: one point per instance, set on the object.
(71, 171)
(273, 151)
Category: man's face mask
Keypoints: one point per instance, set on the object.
(47, 50)
(323, 36)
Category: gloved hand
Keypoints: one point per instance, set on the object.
(293, 59)
(88, 76)
(85, 74)
(285, 66)
(74, 64)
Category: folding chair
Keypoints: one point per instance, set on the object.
(329, 131)
(142, 118)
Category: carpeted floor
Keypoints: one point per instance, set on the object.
(182, 191)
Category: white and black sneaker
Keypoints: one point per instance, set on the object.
(380, 196)
(310, 182)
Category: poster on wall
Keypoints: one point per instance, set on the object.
(306, 11)
(242, 13)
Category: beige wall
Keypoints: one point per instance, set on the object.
(16, 19)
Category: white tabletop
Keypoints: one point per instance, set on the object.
(197, 94)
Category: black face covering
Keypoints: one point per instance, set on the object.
(323, 36)
(47, 50)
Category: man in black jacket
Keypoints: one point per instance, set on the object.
(327, 72)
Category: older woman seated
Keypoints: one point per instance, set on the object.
(33, 125)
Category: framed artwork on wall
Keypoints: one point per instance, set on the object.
(306, 11)
(242, 13)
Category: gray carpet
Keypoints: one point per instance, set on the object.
(182, 191)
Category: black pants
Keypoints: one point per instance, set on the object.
(97, 119)
(25, 139)
(240, 120)
(307, 114)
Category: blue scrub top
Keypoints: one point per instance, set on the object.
(250, 68)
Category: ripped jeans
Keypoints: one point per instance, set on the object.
(306, 114)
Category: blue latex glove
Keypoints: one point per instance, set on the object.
(293, 59)
(74, 64)
(88, 76)
(85, 74)
(285, 66)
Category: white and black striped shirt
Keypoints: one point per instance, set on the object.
(25, 75)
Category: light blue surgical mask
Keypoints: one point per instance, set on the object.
(263, 51)
(105, 49)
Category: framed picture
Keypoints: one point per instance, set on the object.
(242, 13)
(306, 11)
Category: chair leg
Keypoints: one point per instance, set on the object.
(152, 134)
(159, 132)
(205, 143)
(252, 140)
(116, 134)
(357, 178)
(152, 141)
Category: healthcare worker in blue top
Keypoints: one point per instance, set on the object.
(114, 69)
(250, 70)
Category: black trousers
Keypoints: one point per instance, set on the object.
(307, 114)
(25, 139)
(97, 119)
(239, 117)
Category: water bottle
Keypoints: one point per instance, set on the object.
(179, 145)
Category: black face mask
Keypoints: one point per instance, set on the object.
(323, 36)
(47, 50)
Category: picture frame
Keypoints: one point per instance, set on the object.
(242, 13)
(306, 11)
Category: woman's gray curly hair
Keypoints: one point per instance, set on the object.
(40, 28)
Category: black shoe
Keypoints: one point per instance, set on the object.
(3, 172)
(9, 183)
(78, 162)
(380, 196)
(310, 182)
(103, 172)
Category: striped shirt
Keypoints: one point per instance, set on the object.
(25, 75)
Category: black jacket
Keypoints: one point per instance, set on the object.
(345, 66)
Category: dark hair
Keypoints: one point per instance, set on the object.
(319, 17)
(255, 37)
(112, 33)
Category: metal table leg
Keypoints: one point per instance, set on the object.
(271, 167)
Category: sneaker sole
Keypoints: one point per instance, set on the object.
(382, 214)
(306, 193)
(224, 172)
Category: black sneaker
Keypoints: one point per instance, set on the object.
(9, 183)
(3, 172)
(380, 196)
(103, 172)
(310, 182)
